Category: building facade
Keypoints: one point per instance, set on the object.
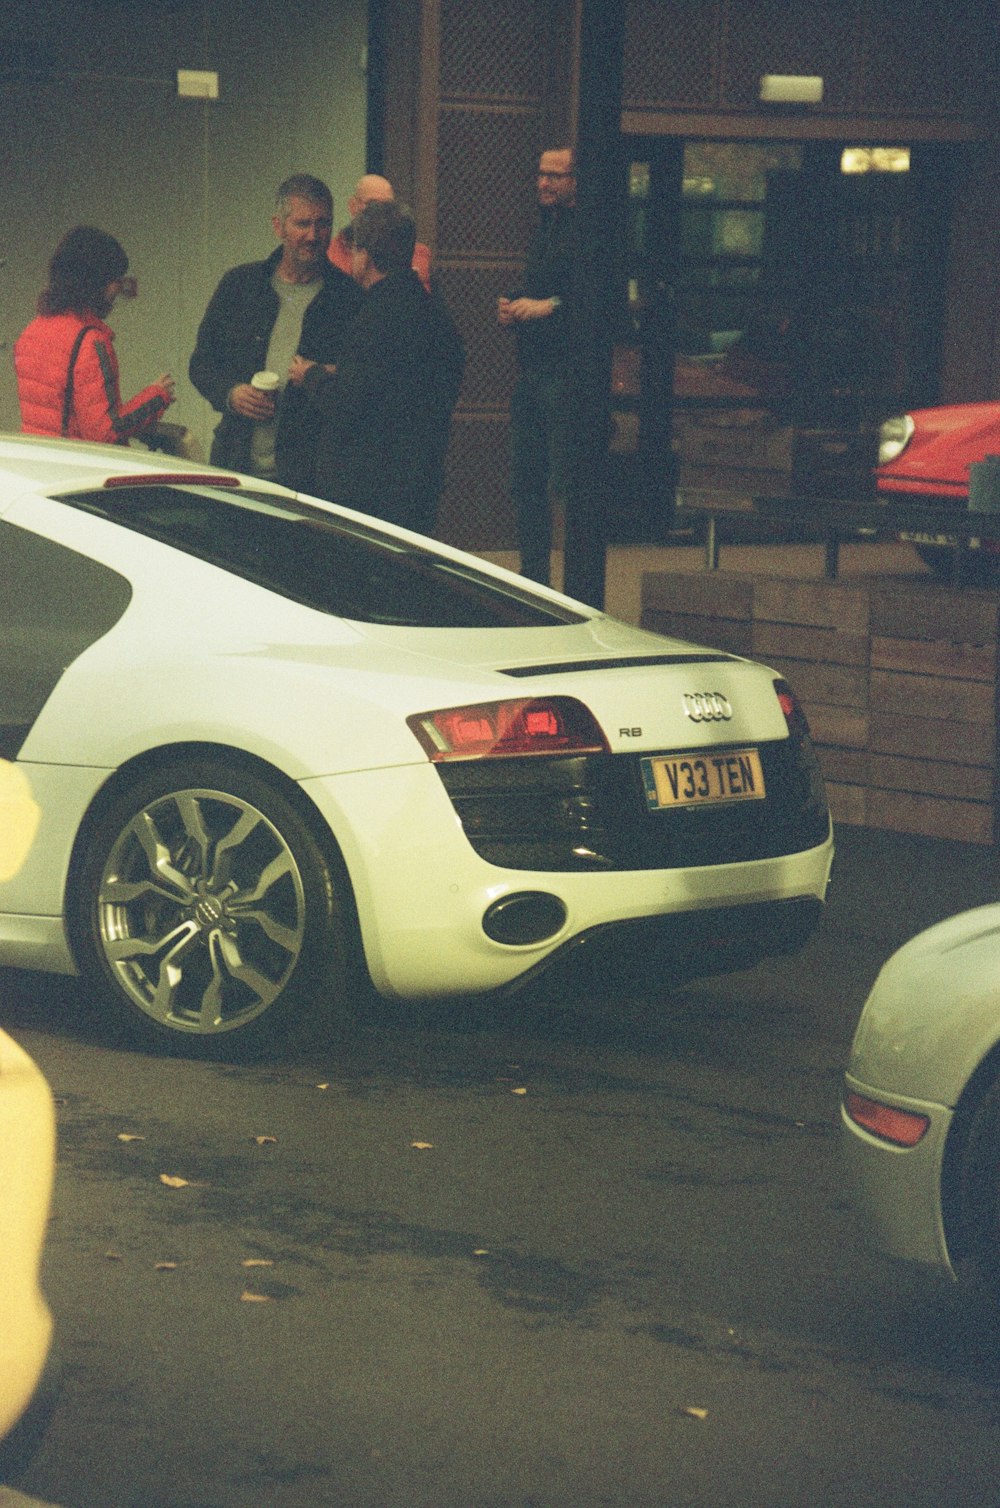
(808, 213)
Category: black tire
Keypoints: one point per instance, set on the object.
(207, 910)
(975, 1239)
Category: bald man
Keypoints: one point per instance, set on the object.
(373, 189)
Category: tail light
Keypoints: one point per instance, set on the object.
(792, 708)
(904, 1128)
(510, 729)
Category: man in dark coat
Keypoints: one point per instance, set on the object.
(259, 317)
(542, 454)
(386, 403)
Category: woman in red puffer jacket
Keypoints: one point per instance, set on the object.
(67, 370)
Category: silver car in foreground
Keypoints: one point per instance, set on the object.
(921, 1103)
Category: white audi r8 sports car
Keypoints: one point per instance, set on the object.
(278, 747)
(921, 1102)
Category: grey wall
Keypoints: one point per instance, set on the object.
(94, 132)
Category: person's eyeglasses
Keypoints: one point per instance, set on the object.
(555, 175)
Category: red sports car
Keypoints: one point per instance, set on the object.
(927, 454)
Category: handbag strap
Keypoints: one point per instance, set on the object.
(68, 394)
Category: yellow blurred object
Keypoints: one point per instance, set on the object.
(19, 819)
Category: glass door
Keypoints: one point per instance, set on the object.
(782, 298)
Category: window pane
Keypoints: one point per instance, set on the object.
(735, 170)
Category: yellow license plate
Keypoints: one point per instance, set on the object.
(702, 778)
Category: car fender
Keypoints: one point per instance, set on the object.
(933, 1013)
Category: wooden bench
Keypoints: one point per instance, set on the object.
(838, 520)
(844, 519)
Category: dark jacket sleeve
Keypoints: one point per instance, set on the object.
(233, 335)
(328, 318)
(365, 367)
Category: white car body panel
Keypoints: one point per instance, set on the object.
(897, 1189)
(63, 794)
(931, 1018)
(421, 914)
(934, 1012)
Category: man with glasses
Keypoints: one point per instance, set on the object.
(541, 410)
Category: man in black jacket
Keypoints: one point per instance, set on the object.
(541, 419)
(260, 316)
(386, 408)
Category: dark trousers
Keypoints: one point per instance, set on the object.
(541, 456)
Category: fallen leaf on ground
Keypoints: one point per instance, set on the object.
(481, 1251)
(173, 1182)
(322, 1086)
(265, 1141)
(165, 1267)
(130, 1136)
(112, 1256)
(695, 1413)
(246, 1297)
(518, 1091)
(256, 1262)
(422, 1146)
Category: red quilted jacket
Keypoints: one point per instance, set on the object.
(41, 361)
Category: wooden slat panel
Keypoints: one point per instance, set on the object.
(844, 727)
(825, 644)
(972, 662)
(706, 593)
(848, 803)
(963, 821)
(933, 738)
(820, 604)
(928, 612)
(932, 696)
(931, 777)
(843, 766)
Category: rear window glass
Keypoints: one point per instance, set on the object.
(326, 562)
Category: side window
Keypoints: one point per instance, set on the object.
(54, 604)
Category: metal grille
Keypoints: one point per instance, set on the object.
(494, 78)
(928, 55)
(771, 36)
(475, 511)
(471, 294)
(487, 161)
(498, 51)
(670, 49)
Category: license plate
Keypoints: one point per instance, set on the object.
(702, 778)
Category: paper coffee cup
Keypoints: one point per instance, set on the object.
(265, 382)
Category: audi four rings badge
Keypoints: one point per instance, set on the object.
(707, 707)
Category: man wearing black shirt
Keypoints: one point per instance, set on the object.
(540, 414)
(385, 406)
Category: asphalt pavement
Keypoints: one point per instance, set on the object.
(657, 1212)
